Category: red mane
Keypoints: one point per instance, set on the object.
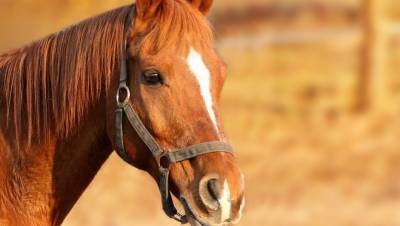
(47, 86)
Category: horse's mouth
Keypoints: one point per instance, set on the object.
(193, 219)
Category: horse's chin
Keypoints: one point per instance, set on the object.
(193, 219)
(193, 222)
(190, 215)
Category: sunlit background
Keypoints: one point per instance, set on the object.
(312, 106)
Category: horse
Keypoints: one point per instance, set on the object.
(142, 79)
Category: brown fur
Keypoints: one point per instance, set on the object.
(57, 102)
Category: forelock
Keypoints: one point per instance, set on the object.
(177, 25)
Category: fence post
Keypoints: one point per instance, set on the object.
(373, 78)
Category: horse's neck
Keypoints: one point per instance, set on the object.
(43, 184)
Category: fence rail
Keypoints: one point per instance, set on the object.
(298, 37)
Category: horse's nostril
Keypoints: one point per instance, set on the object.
(214, 188)
(210, 192)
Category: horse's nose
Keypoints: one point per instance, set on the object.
(214, 188)
(222, 200)
(210, 192)
(215, 195)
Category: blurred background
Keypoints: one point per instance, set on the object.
(312, 106)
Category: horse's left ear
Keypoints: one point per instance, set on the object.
(203, 5)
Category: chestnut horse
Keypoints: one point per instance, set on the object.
(58, 118)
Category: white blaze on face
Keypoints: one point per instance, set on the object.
(202, 74)
(225, 202)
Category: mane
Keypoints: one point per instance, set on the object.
(47, 86)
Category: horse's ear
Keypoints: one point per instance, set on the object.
(146, 9)
(203, 5)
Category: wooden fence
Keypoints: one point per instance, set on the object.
(372, 32)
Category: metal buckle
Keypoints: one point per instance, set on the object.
(124, 102)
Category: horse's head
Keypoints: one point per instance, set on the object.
(176, 78)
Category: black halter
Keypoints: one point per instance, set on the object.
(164, 158)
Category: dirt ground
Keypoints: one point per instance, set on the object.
(342, 173)
(309, 159)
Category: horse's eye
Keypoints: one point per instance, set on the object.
(152, 77)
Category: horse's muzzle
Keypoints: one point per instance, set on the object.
(215, 196)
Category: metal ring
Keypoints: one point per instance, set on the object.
(125, 101)
(164, 161)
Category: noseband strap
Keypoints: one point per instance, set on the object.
(164, 158)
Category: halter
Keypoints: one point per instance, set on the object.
(163, 157)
